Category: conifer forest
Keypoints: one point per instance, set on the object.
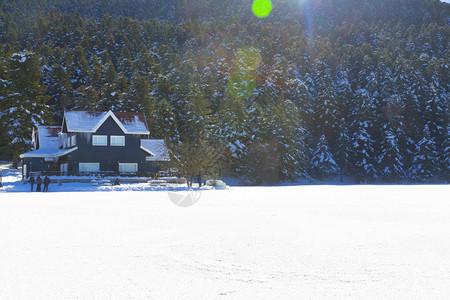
(316, 89)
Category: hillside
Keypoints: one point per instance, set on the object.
(317, 88)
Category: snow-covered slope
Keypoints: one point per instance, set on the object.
(299, 242)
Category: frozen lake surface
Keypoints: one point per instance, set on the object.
(296, 242)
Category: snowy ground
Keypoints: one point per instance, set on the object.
(12, 183)
(296, 242)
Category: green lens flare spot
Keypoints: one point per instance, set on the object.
(262, 8)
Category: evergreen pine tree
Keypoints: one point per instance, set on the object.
(110, 94)
(390, 160)
(80, 69)
(326, 109)
(24, 104)
(196, 118)
(425, 158)
(138, 95)
(445, 157)
(289, 134)
(362, 151)
(323, 165)
(342, 148)
(231, 129)
(162, 122)
(60, 87)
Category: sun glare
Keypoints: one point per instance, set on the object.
(262, 8)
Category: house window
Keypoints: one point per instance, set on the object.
(64, 167)
(65, 141)
(128, 167)
(73, 140)
(117, 140)
(99, 140)
(89, 167)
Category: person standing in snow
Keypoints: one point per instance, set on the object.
(38, 183)
(31, 182)
(46, 183)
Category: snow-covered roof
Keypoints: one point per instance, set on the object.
(82, 120)
(156, 148)
(48, 136)
(90, 121)
(48, 140)
(44, 152)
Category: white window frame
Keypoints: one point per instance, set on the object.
(73, 140)
(114, 138)
(86, 164)
(121, 165)
(64, 168)
(95, 141)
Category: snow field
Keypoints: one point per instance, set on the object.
(297, 242)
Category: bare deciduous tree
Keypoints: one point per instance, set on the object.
(195, 158)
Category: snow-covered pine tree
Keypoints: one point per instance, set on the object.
(436, 112)
(302, 97)
(125, 63)
(138, 94)
(323, 165)
(289, 133)
(4, 146)
(394, 119)
(212, 90)
(60, 87)
(410, 93)
(231, 130)
(362, 156)
(276, 78)
(386, 86)
(326, 110)
(261, 164)
(85, 98)
(96, 79)
(343, 92)
(242, 82)
(423, 166)
(110, 96)
(196, 119)
(179, 85)
(390, 160)
(445, 157)
(342, 147)
(366, 76)
(162, 123)
(80, 68)
(23, 105)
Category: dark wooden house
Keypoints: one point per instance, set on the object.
(89, 142)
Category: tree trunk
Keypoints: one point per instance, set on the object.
(15, 163)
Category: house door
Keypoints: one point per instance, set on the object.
(64, 168)
(24, 170)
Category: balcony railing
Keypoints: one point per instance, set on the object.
(103, 174)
